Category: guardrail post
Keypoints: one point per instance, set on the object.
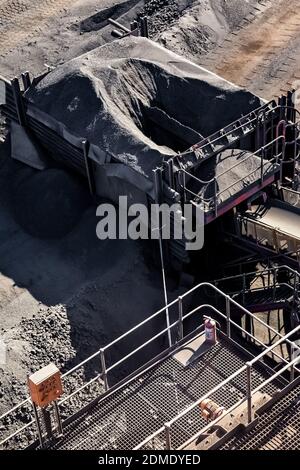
(294, 352)
(292, 373)
(168, 436)
(244, 288)
(249, 392)
(58, 418)
(262, 165)
(216, 196)
(274, 284)
(184, 188)
(89, 167)
(228, 324)
(104, 371)
(180, 318)
(38, 425)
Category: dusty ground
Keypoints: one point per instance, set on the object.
(264, 55)
(61, 299)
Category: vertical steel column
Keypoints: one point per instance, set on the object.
(180, 318)
(292, 373)
(38, 424)
(19, 102)
(144, 27)
(158, 186)
(262, 165)
(89, 167)
(228, 324)
(244, 288)
(274, 282)
(184, 187)
(249, 392)
(169, 166)
(289, 103)
(216, 196)
(104, 370)
(26, 80)
(168, 436)
(58, 418)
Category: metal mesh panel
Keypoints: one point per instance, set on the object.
(278, 427)
(127, 417)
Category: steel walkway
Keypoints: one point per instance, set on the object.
(127, 417)
(157, 406)
(277, 428)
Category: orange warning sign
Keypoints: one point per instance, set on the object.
(45, 385)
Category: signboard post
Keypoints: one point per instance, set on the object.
(45, 388)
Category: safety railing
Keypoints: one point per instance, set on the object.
(269, 279)
(165, 433)
(263, 113)
(291, 197)
(232, 128)
(263, 169)
(177, 326)
(270, 237)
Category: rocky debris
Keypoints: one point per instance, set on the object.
(163, 13)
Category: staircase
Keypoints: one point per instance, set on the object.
(258, 291)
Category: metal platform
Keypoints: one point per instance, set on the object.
(278, 427)
(262, 142)
(157, 405)
(130, 415)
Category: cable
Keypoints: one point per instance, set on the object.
(162, 258)
(165, 287)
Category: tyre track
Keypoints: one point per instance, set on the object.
(22, 20)
(264, 55)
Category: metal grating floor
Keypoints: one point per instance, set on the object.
(278, 427)
(128, 416)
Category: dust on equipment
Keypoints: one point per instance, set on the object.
(210, 410)
(45, 388)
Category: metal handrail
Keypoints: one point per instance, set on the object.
(244, 219)
(264, 109)
(231, 128)
(240, 162)
(173, 325)
(261, 166)
(221, 385)
(260, 273)
(291, 191)
(240, 402)
(240, 328)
